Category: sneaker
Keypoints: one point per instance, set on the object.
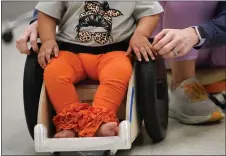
(190, 104)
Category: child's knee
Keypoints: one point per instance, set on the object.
(124, 68)
(119, 72)
(50, 73)
(54, 74)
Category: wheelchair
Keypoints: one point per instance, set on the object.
(146, 100)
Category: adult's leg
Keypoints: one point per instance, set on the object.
(217, 56)
(189, 102)
(216, 59)
(178, 15)
(181, 70)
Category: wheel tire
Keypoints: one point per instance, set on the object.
(138, 140)
(56, 154)
(32, 83)
(107, 153)
(152, 97)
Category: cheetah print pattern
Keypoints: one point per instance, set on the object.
(113, 13)
(92, 6)
(84, 36)
(99, 37)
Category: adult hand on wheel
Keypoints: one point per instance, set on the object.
(30, 34)
(175, 42)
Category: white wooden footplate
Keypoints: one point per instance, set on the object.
(45, 144)
(128, 130)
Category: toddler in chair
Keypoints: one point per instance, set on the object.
(94, 40)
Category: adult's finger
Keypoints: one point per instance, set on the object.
(179, 49)
(144, 53)
(23, 44)
(168, 47)
(184, 50)
(33, 40)
(159, 36)
(165, 40)
(18, 48)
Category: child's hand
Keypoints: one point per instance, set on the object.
(141, 46)
(47, 49)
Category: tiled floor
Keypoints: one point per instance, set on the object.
(181, 139)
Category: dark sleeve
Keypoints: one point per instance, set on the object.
(35, 16)
(215, 29)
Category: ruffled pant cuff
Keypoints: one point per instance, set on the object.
(83, 119)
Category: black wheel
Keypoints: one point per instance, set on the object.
(32, 83)
(152, 96)
(56, 154)
(138, 140)
(7, 36)
(107, 153)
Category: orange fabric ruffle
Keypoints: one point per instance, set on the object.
(95, 117)
(83, 119)
(70, 116)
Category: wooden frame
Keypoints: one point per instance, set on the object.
(129, 128)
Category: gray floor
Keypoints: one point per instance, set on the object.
(181, 139)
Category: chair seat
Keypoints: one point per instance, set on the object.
(86, 90)
(88, 82)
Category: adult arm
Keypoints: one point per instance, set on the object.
(215, 29)
(178, 42)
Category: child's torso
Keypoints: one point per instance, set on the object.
(96, 23)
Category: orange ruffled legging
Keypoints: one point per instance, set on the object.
(113, 70)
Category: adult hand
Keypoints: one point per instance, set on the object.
(30, 34)
(175, 42)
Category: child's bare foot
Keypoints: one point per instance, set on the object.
(65, 134)
(108, 129)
